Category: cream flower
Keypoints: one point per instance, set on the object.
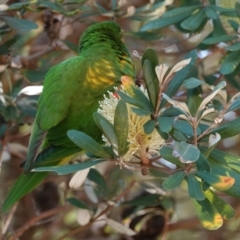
(141, 145)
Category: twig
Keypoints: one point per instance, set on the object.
(9, 219)
(16, 62)
(3, 143)
(184, 224)
(106, 210)
(36, 219)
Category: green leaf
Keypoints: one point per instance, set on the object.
(173, 181)
(150, 55)
(207, 151)
(186, 152)
(218, 39)
(87, 143)
(78, 203)
(161, 133)
(149, 62)
(210, 12)
(230, 62)
(71, 45)
(5, 48)
(134, 101)
(237, 7)
(34, 76)
(165, 123)
(148, 200)
(184, 127)
(180, 76)
(140, 111)
(22, 186)
(178, 136)
(171, 112)
(234, 25)
(149, 126)
(108, 131)
(97, 178)
(194, 21)
(230, 160)
(219, 182)
(147, 36)
(203, 164)
(180, 11)
(151, 82)
(225, 210)
(233, 47)
(15, 6)
(20, 25)
(235, 105)
(97, 117)
(194, 100)
(53, 6)
(67, 169)
(228, 129)
(194, 188)
(163, 22)
(208, 215)
(121, 126)
(192, 83)
(140, 96)
(170, 17)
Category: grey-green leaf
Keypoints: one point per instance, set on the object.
(194, 188)
(230, 63)
(228, 129)
(186, 152)
(192, 83)
(217, 39)
(165, 123)
(203, 164)
(97, 178)
(20, 25)
(77, 203)
(173, 181)
(149, 126)
(67, 169)
(180, 76)
(108, 131)
(194, 21)
(87, 143)
(210, 12)
(151, 81)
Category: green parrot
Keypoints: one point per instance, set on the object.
(71, 94)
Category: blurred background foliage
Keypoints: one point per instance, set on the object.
(36, 35)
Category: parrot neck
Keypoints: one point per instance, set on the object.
(100, 42)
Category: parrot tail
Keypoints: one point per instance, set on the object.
(34, 146)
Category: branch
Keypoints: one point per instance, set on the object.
(106, 210)
(36, 219)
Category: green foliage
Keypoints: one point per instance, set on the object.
(169, 128)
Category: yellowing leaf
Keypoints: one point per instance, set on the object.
(215, 224)
(219, 182)
(224, 183)
(208, 215)
(226, 211)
